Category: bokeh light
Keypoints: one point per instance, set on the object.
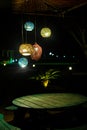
(70, 67)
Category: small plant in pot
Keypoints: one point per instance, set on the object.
(46, 77)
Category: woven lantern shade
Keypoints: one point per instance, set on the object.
(29, 26)
(26, 49)
(45, 32)
(23, 62)
(38, 52)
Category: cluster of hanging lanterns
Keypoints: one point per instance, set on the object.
(33, 50)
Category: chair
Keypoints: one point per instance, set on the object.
(5, 125)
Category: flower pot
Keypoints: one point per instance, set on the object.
(45, 82)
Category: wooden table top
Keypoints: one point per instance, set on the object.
(50, 100)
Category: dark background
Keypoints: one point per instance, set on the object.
(60, 43)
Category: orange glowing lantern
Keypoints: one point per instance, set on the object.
(38, 52)
(26, 49)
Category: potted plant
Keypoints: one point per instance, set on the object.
(46, 77)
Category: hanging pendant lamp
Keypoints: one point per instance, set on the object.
(23, 62)
(29, 26)
(45, 32)
(37, 48)
(26, 49)
(38, 52)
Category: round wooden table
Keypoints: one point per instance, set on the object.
(50, 100)
(41, 106)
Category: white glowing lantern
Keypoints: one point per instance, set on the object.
(45, 32)
(23, 62)
(29, 26)
(26, 49)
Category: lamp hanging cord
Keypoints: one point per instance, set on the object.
(35, 29)
(22, 32)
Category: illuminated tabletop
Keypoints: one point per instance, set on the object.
(50, 100)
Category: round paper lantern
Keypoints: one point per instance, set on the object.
(38, 52)
(23, 62)
(29, 26)
(45, 32)
(26, 49)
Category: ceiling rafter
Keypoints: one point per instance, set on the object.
(46, 7)
(74, 7)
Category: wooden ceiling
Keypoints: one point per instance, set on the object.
(46, 7)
